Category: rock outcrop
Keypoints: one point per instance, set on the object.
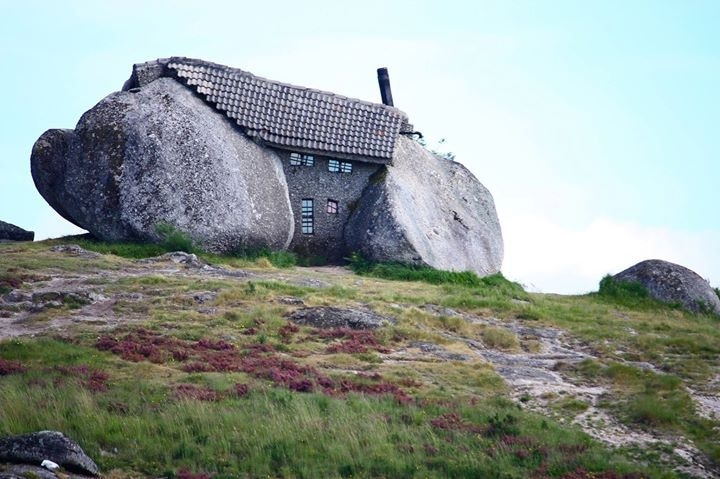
(672, 283)
(328, 317)
(426, 210)
(10, 232)
(159, 154)
(36, 447)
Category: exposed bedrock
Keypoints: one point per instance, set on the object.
(426, 210)
(672, 283)
(160, 155)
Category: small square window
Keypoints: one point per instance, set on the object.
(332, 207)
(297, 159)
(337, 166)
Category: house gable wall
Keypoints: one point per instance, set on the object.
(318, 183)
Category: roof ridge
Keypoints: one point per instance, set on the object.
(279, 83)
(284, 115)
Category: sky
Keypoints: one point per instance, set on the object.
(595, 124)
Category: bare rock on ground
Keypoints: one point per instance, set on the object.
(329, 317)
(74, 250)
(672, 283)
(24, 471)
(157, 155)
(425, 210)
(35, 447)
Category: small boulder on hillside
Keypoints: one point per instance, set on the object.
(10, 232)
(54, 446)
(672, 283)
(328, 317)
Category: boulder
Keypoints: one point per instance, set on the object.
(10, 232)
(426, 210)
(672, 283)
(159, 154)
(35, 447)
(328, 317)
(23, 471)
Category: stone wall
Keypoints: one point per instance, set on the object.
(318, 183)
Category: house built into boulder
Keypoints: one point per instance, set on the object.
(236, 160)
(329, 145)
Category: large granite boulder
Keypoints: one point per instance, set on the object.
(10, 232)
(159, 154)
(672, 283)
(54, 446)
(426, 210)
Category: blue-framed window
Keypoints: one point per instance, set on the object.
(307, 216)
(337, 166)
(299, 159)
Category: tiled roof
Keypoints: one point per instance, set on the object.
(292, 117)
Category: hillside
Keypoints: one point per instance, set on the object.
(173, 367)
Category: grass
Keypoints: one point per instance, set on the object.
(137, 417)
(500, 338)
(654, 401)
(403, 272)
(175, 241)
(262, 406)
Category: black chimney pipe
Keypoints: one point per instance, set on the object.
(384, 82)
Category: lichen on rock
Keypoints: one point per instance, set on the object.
(161, 155)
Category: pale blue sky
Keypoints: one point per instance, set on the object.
(594, 124)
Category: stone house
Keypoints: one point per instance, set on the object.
(236, 161)
(330, 145)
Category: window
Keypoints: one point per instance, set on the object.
(332, 207)
(297, 159)
(308, 220)
(337, 166)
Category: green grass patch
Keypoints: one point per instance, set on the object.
(500, 338)
(278, 259)
(630, 294)
(156, 421)
(129, 250)
(404, 272)
(174, 240)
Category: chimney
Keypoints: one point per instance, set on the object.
(384, 82)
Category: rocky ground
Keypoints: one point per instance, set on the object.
(536, 362)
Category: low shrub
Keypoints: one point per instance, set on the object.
(172, 239)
